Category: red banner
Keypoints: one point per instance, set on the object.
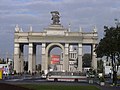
(55, 59)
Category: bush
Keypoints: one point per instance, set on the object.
(102, 79)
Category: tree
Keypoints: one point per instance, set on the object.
(86, 60)
(0, 61)
(109, 46)
(100, 66)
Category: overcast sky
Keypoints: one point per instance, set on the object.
(84, 13)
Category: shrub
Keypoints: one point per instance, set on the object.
(102, 79)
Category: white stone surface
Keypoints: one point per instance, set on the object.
(52, 32)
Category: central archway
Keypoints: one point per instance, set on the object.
(49, 48)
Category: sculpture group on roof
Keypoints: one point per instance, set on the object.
(55, 17)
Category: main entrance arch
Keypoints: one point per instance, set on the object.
(52, 36)
(50, 47)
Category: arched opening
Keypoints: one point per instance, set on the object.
(54, 51)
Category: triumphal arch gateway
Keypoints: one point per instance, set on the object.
(54, 35)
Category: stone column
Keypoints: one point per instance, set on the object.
(30, 58)
(66, 58)
(21, 58)
(44, 64)
(16, 58)
(94, 59)
(80, 57)
(34, 58)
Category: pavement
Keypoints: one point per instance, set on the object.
(28, 80)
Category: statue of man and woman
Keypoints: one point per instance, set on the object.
(55, 17)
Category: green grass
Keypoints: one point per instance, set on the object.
(59, 87)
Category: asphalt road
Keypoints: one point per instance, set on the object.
(31, 80)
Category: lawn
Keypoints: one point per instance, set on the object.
(59, 87)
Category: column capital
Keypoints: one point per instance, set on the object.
(93, 44)
(16, 45)
(30, 44)
(66, 45)
(43, 45)
(80, 45)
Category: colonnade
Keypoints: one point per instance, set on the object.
(19, 56)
